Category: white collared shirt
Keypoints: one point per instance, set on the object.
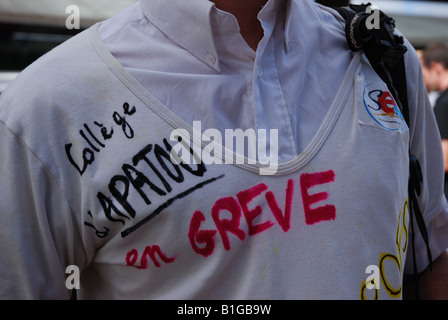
(195, 61)
(86, 179)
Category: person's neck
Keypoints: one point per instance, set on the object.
(245, 11)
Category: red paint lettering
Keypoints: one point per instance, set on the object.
(385, 100)
(204, 236)
(308, 180)
(225, 225)
(226, 213)
(131, 258)
(284, 220)
(151, 251)
(244, 198)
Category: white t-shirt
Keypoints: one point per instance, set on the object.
(87, 180)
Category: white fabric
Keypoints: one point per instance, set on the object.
(282, 86)
(86, 180)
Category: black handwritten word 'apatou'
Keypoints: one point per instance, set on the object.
(149, 174)
(97, 142)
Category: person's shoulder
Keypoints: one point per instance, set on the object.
(51, 68)
(51, 83)
(443, 98)
(441, 107)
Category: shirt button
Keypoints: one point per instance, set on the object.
(211, 59)
(259, 72)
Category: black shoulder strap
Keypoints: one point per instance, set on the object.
(382, 47)
(385, 51)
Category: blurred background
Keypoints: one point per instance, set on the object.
(30, 28)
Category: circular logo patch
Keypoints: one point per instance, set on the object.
(382, 108)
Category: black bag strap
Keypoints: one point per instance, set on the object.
(383, 48)
(385, 51)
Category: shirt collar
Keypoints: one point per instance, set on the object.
(187, 25)
(278, 9)
(192, 26)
